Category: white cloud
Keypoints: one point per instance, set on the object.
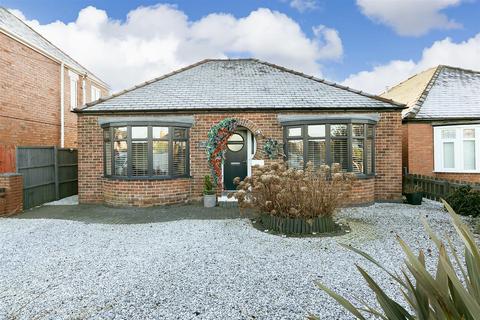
(157, 39)
(304, 5)
(459, 54)
(410, 17)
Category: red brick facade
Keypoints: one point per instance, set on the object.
(94, 188)
(30, 101)
(418, 153)
(11, 198)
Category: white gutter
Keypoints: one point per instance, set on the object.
(62, 105)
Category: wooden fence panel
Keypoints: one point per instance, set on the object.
(435, 188)
(48, 174)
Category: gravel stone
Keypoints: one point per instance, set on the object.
(199, 269)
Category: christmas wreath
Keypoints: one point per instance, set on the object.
(216, 145)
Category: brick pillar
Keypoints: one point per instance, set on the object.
(11, 193)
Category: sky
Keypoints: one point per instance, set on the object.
(369, 45)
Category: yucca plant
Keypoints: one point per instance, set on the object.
(453, 292)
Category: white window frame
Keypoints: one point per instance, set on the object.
(73, 90)
(95, 93)
(458, 149)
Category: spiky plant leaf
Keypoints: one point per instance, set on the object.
(344, 302)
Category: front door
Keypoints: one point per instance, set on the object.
(235, 164)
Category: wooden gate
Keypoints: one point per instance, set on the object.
(49, 174)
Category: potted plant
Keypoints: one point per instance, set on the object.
(209, 194)
(414, 194)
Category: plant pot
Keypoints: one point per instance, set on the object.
(414, 198)
(299, 225)
(209, 200)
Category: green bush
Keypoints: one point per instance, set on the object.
(465, 201)
(452, 292)
(208, 186)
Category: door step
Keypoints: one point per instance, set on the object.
(225, 202)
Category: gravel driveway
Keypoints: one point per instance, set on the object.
(195, 269)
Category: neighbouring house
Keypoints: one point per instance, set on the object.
(40, 85)
(441, 126)
(146, 146)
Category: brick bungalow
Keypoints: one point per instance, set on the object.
(146, 146)
(441, 126)
(33, 75)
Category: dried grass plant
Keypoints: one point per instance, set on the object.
(294, 193)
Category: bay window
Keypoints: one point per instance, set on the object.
(351, 145)
(146, 151)
(457, 148)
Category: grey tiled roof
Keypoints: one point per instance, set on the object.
(14, 26)
(238, 84)
(452, 93)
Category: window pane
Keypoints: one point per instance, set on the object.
(120, 133)
(139, 132)
(179, 133)
(337, 130)
(448, 133)
(469, 133)
(357, 130)
(340, 153)
(316, 152)
(369, 130)
(120, 157)
(179, 158)
(469, 154)
(139, 158)
(294, 132)
(448, 155)
(295, 153)
(317, 131)
(108, 158)
(106, 135)
(160, 133)
(368, 150)
(160, 158)
(357, 155)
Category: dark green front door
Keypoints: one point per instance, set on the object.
(235, 164)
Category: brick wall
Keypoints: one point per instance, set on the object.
(11, 199)
(30, 99)
(420, 152)
(93, 188)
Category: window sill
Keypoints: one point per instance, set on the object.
(459, 171)
(362, 176)
(146, 178)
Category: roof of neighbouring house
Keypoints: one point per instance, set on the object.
(443, 92)
(234, 84)
(16, 28)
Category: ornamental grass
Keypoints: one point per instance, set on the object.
(294, 193)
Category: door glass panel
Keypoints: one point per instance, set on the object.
(469, 154)
(295, 154)
(448, 155)
(235, 142)
(317, 131)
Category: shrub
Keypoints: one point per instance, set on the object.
(465, 201)
(208, 186)
(292, 193)
(439, 295)
(412, 188)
